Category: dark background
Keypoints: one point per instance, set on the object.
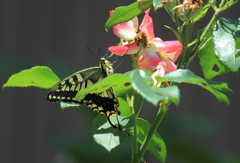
(53, 33)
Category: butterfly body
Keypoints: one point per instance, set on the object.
(66, 90)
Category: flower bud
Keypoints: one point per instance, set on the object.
(191, 8)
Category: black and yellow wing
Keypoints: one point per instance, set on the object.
(66, 90)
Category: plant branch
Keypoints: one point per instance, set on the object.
(161, 112)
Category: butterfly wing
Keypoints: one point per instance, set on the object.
(66, 90)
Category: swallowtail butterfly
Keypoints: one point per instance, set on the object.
(105, 102)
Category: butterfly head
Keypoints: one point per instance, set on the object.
(106, 66)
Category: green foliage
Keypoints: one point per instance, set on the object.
(219, 47)
(124, 108)
(224, 38)
(140, 80)
(156, 146)
(221, 52)
(156, 3)
(186, 76)
(108, 137)
(123, 14)
(38, 76)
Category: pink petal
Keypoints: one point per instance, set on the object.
(147, 25)
(172, 48)
(125, 26)
(159, 72)
(168, 65)
(125, 30)
(135, 23)
(131, 48)
(145, 65)
(151, 56)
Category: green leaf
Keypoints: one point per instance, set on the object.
(108, 137)
(209, 62)
(140, 80)
(156, 3)
(38, 76)
(124, 108)
(156, 146)
(224, 38)
(175, 32)
(105, 84)
(123, 14)
(187, 76)
(172, 93)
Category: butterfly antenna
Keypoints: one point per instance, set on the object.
(108, 54)
(90, 50)
(119, 63)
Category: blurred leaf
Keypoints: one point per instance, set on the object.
(108, 137)
(186, 76)
(82, 149)
(191, 124)
(38, 76)
(124, 14)
(189, 152)
(156, 146)
(140, 79)
(224, 38)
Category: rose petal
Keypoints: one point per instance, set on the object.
(144, 64)
(125, 30)
(151, 56)
(135, 23)
(131, 48)
(147, 25)
(172, 48)
(159, 72)
(168, 64)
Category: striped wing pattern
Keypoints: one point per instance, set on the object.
(66, 90)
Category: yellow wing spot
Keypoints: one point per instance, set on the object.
(71, 81)
(73, 88)
(113, 112)
(67, 88)
(89, 83)
(100, 109)
(78, 87)
(68, 98)
(63, 82)
(100, 78)
(54, 97)
(105, 94)
(107, 113)
(58, 97)
(50, 96)
(63, 88)
(79, 77)
(63, 97)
